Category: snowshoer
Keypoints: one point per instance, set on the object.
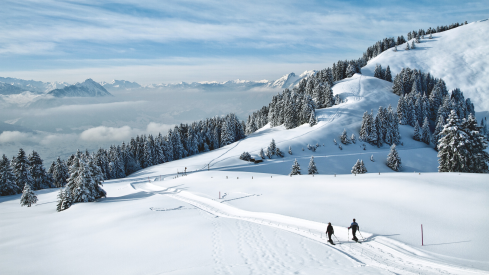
(330, 231)
(354, 227)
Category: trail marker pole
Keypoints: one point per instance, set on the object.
(422, 241)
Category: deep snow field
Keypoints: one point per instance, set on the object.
(158, 221)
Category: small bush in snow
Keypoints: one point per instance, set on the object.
(290, 150)
(245, 156)
(334, 140)
(339, 146)
(312, 148)
(353, 139)
(372, 158)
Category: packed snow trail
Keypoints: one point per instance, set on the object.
(375, 251)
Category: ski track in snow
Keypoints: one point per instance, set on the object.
(375, 251)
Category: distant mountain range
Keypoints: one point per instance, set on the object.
(21, 85)
(90, 88)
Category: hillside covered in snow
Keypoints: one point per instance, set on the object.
(187, 202)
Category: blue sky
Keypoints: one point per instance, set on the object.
(172, 41)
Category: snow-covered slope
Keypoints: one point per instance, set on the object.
(89, 88)
(459, 56)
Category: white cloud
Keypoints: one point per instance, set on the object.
(103, 133)
(15, 136)
(155, 128)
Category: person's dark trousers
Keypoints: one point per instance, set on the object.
(329, 235)
(354, 234)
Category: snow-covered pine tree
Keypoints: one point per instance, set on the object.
(311, 169)
(61, 196)
(272, 146)
(296, 169)
(20, 166)
(7, 178)
(350, 70)
(364, 129)
(353, 139)
(279, 153)
(425, 132)
(312, 118)
(262, 154)
(440, 123)
(417, 132)
(344, 137)
(328, 96)
(393, 159)
(395, 48)
(476, 146)
(388, 75)
(412, 45)
(430, 37)
(318, 95)
(378, 71)
(453, 153)
(28, 197)
(407, 46)
(269, 153)
(290, 150)
(359, 168)
(39, 176)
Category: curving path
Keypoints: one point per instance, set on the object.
(375, 251)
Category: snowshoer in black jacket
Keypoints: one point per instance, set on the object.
(330, 231)
(354, 227)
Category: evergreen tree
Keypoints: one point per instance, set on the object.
(359, 168)
(388, 75)
(28, 197)
(412, 45)
(417, 132)
(453, 153)
(290, 150)
(350, 70)
(61, 196)
(476, 146)
(328, 96)
(296, 169)
(344, 137)
(364, 129)
(312, 119)
(270, 153)
(393, 159)
(425, 132)
(353, 139)
(311, 169)
(438, 129)
(39, 176)
(272, 146)
(20, 166)
(7, 178)
(407, 47)
(279, 153)
(262, 154)
(378, 71)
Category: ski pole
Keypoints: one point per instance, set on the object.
(361, 234)
(337, 239)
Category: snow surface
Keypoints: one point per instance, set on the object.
(156, 221)
(459, 56)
